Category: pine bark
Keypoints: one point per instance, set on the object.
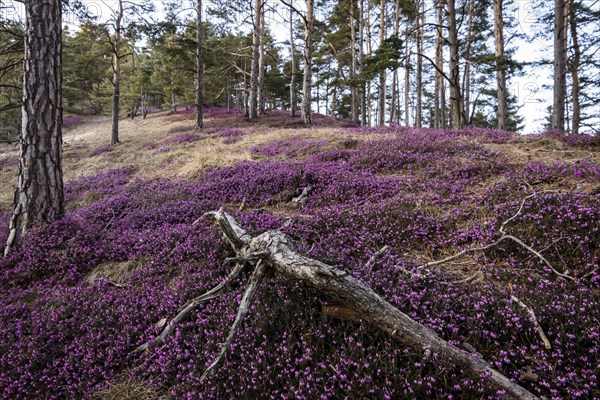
(39, 195)
(382, 74)
(440, 96)
(395, 102)
(575, 64)
(353, 87)
(361, 50)
(456, 101)
(419, 16)
(308, 50)
(200, 69)
(293, 61)
(500, 65)
(560, 67)
(255, 63)
(262, 95)
(116, 75)
(407, 81)
(467, 73)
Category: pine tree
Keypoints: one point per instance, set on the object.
(39, 196)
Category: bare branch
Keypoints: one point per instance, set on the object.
(257, 275)
(189, 307)
(537, 326)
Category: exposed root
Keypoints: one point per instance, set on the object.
(257, 275)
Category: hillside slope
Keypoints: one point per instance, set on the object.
(79, 295)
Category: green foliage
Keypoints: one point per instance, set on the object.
(87, 69)
(11, 76)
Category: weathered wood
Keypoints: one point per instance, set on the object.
(39, 195)
(367, 304)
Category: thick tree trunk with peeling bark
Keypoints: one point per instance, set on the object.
(274, 249)
(39, 196)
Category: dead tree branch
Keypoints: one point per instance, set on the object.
(368, 306)
(275, 250)
(505, 236)
(189, 307)
(536, 324)
(257, 275)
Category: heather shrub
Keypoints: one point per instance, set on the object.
(101, 150)
(64, 334)
(571, 139)
(182, 138)
(71, 120)
(291, 148)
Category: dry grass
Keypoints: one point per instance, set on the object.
(130, 389)
(544, 149)
(113, 271)
(191, 159)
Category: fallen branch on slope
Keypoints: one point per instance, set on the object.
(343, 287)
(505, 236)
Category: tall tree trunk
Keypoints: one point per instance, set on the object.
(262, 96)
(467, 75)
(361, 50)
(353, 86)
(369, 83)
(440, 97)
(419, 23)
(560, 67)
(395, 103)
(575, 63)
(255, 62)
(308, 49)
(500, 64)
(293, 54)
(456, 101)
(381, 107)
(116, 75)
(39, 195)
(407, 81)
(200, 69)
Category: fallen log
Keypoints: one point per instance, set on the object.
(276, 250)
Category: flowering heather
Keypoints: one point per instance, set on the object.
(71, 120)
(231, 135)
(182, 138)
(573, 140)
(163, 149)
(292, 148)
(101, 150)
(424, 193)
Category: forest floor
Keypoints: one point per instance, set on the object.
(141, 146)
(77, 296)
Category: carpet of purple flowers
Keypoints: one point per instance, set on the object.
(424, 193)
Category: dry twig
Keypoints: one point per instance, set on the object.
(537, 326)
